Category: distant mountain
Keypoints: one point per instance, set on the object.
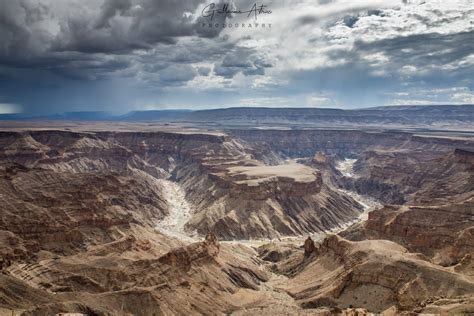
(462, 108)
(155, 115)
(13, 117)
(426, 115)
(66, 116)
(388, 115)
(83, 116)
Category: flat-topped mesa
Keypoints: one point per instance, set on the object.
(257, 200)
(262, 182)
(276, 186)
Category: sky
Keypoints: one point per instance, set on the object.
(125, 55)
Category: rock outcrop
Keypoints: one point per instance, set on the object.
(421, 177)
(276, 252)
(442, 233)
(184, 256)
(437, 215)
(309, 247)
(375, 275)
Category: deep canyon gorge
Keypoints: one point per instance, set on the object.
(239, 221)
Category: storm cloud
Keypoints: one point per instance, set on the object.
(121, 55)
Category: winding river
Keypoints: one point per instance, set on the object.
(180, 211)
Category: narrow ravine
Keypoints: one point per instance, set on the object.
(179, 212)
(346, 167)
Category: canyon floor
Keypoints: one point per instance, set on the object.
(175, 219)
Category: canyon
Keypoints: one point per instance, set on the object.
(144, 219)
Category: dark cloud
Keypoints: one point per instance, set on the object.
(422, 50)
(92, 45)
(375, 12)
(177, 73)
(204, 71)
(349, 20)
(123, 26)
(20, 36)
(241, 59)
(79, 34)
(118, 27)
(307, 19)
(27, 43)
(110, 8)
(348, 17)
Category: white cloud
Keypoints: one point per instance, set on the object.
(463, 97)
(319, 100)
(412, 102)
(265, 102)
(307, 36)
(449, 95)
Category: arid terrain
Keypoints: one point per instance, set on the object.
(101, 218)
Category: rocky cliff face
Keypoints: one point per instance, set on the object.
(138, 274)
(406, 176)
(379, 275)
(442, 233)
(436, 217)
(64, 211)
(343, 143)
